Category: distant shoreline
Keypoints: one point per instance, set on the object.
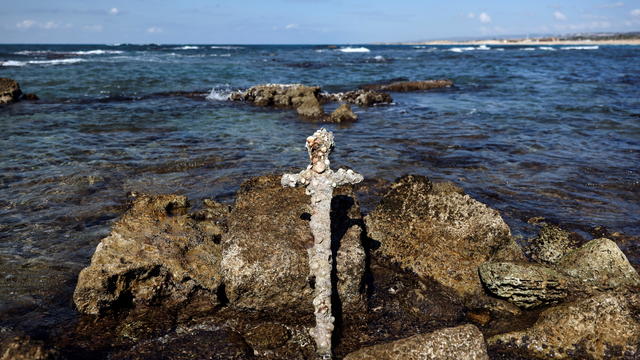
(522, 42)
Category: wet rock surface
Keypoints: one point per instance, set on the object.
(441, 234)
(265, 260)
(155, 254)
(360, 97)
(526, 285)
(24, 348)
(463, 342)
(305, 99)
(599, 265)
(405, 86)
(9, 91)
(343, 114)
(600, 327)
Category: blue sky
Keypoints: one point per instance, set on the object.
(302, 21)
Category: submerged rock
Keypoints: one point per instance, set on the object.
(600, 327)
(459, 343)
(405, 86)
(155, 254)
(343, 114)
(265, 252)
(524, 284)
(442, 234)
(601, 265)
(551, 244)
(360, 97)
(9, 91)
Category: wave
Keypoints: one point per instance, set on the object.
(591, 47)
(219, 94)
(547, 48)
(186, 47)
(41, 62)
(528, 49)
(459, 50)
(354, 50)
(226, 47)
(87, 52)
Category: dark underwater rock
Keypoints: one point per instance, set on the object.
(460, 343)
(405, 86)
(156, 254)
(9, 91)
(442, 235)
(265, 257)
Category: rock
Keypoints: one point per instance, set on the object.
(458, 343)
(551, 244)
(360, 97)
(442, 234)
(24, 348)
(310, 108)
(526, 285)
(30, 97)
(343, 114)
(155, 254)
(9, 91)
(265, 260)
(267, 336)
(405, 86)
(604, 326)
(599, 264)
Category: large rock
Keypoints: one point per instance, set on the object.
(405, 86)
(9, 91)
(524, 284)
(155, 254)
(311, 108)
(459, 343)
(601, 265)
(305, 99)
(343, 114)
(602, 327)
(551, 244)
(440, 233)
(265, 252)
(360, 97)
(24, 348)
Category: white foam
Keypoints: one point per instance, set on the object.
(528, 49)
(593, 47)
(226, 47)
(13, 63)
(87, 52)
(96, 52)
(186, 47)
(547, 48)
(380, 58)
(459, 50)
(483, 47)
(55, 62)
(217, 94)
(354, 50)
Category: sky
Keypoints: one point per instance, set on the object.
(303, 21)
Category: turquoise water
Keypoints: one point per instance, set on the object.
(532, 131)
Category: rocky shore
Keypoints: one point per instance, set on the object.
(10, 92)
(430, 273)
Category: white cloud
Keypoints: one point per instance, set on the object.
(559, 16)
(291, 26)
(635, 12)
(154, 30)
(471, 15)
(114, 11)
(25, 24)
(484, 18)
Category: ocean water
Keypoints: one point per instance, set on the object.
(551, 131)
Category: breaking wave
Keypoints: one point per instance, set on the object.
(354, 50)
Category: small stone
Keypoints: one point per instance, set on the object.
(343, 114)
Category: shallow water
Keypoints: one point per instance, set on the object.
(531, 131)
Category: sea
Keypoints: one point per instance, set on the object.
(544, 132)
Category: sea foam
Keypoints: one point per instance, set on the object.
(354, 50)
(219, 94)
(186, 47)
(592, 47)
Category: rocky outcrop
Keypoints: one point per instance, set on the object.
(9, 91)
(155, 254)
(551, 244)
(524, 284)
(24, 348)
(601, 327)
(265, 252)
(343, 114)
(360, 97)
(305, 99)
(459, 343)
(405, 86)
(600, 265)
(311, 108)
(442, 234)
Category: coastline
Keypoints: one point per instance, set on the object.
(521, 42)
